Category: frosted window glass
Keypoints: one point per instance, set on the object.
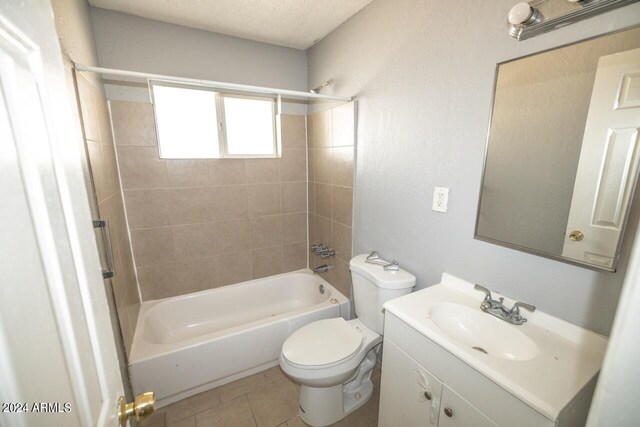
(187, 123)
(249, 126)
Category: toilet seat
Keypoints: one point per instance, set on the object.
(322, 344)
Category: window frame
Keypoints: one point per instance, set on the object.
(220, 119)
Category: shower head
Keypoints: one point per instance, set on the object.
(322, 86)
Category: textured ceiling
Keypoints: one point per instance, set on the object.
(292, 23)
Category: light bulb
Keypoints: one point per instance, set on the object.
(520, 13)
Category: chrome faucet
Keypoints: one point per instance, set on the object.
(321, 269)
(497, 309)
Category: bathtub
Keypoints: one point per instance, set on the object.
(191, 343)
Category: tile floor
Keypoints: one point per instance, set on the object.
(266, 399)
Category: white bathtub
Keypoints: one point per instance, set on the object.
(189, 344)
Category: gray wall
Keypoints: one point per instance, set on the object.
(133, 43)
(538, 120)
(423, 74)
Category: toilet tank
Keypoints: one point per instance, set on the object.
(373, 286)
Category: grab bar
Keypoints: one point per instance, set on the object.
(103, 225)
(375, 258)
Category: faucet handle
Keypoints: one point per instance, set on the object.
(373, 256)
(486, 302)
(515, 310)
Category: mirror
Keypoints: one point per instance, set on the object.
(562, 153)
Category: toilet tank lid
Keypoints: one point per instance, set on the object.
(400, 279)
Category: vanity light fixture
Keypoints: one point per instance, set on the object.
(528, 19)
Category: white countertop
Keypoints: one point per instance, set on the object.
(568, 356)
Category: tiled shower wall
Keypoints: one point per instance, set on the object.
(104, 171)
(199, 224)
(331, 136)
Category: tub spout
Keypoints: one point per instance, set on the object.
(321, 269)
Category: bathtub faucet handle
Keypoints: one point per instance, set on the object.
(328, 253)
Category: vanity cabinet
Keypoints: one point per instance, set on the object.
(411, 396)
(424, 385)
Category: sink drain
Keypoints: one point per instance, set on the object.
(480, 349)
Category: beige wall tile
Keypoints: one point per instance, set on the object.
(118, 284)
(293, 166)
(323, 165)
(311, 156)
(341, 236)
(342, 161)
(341, 276)
(266, 262)
(133, 123)
(190, 205)
(227, 171)
(323, 231)
(118, 221)
(294, 197)
(111, 177)
(97, 169)
(153, 246)
(342, 205)
(294, 228)
(313, 235)
(194, 241)
(234, 268)
(266, 231)
(294, 257)
(324, 200)
(264, 199)
(140, 167)
(232, 236)
(197, 275)
(343, 125)
(187, 173)
(104, 120)
(158, 281)
(293, 132)
(319, 131)
(229, 202)
(311, 196)
(262, 171)
(147, 208)
(87, 95)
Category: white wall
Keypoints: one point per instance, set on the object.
(423, 71)
(133, 43)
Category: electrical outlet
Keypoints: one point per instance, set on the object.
(440, 199)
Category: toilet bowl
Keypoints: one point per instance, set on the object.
(332, 359)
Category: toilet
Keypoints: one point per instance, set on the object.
(332, 359)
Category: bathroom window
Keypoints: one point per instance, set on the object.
(200, 123)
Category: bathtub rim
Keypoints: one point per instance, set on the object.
(164, 349)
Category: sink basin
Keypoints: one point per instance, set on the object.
(482, 332)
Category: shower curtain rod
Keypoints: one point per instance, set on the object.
(211, 83)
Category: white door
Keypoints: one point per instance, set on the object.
(409, 394)
(58, 364)
(608, 164)
(457, 412)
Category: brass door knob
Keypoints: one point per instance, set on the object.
(576, 235)
(142, 406)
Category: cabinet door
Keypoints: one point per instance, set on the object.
(409, 394)
(457, 412)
